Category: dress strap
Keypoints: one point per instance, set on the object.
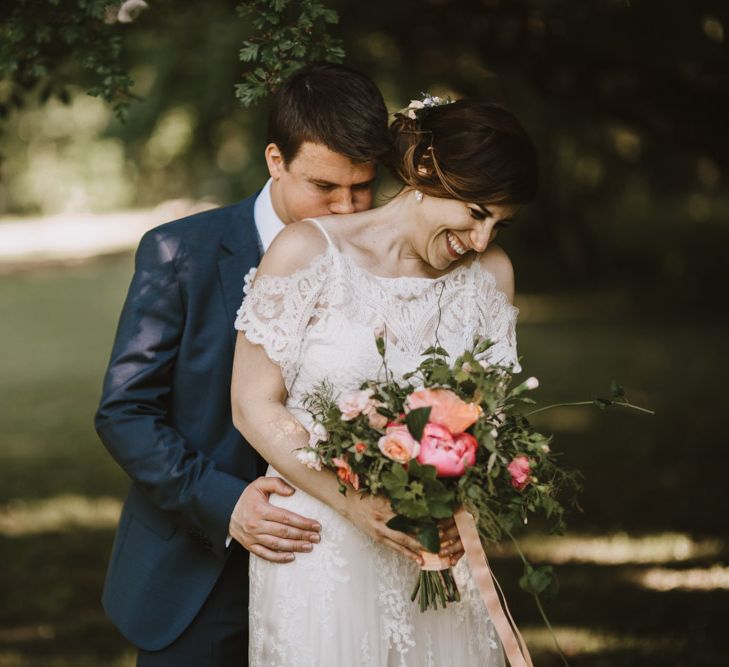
(321, 229)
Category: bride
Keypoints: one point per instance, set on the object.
(421, 265)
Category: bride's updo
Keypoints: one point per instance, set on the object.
(467, 150)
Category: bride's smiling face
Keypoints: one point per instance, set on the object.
(448, 230)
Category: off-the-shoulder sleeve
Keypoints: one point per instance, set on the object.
(276, 311)
(497, 322)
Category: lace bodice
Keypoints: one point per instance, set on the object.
(348, 601)
(320, 321)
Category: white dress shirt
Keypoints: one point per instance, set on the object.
(268, 223)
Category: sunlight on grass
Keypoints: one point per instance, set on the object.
(695, 579)
(577, 641)
(62, 513)
(616, 549)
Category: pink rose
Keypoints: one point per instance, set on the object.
(450, 456)
(374, 418)
(354, 404)
(446, 408)
(397, 444)
(345, 473)
(519, 470)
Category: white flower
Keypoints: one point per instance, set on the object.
(318, 434)
(354, 404)
(531, 383)
(380, 331)
(130, 9)
(309, 458)
(494, 433)
(416, 104)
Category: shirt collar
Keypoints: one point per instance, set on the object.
(268, 224)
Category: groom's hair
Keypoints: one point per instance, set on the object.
(331, 105)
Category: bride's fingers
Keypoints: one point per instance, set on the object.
(451, 547)
(407, 542)
(402, 550)
(448, 531)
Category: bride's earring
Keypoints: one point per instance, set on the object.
(418, 196)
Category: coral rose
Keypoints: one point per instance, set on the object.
(519, 470)
(446, 408)
(397, 444)
(345, 473)
(450, 456)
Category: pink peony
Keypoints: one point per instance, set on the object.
(397, 444)
(519, 470)
(446, 408)
(450, 456)
(345, 473)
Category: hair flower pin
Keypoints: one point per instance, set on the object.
(428, 101)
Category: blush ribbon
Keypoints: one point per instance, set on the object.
(514, 646)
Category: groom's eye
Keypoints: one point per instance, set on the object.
(324, 187)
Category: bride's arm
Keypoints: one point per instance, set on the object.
(260, 415)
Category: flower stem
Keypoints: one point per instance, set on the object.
(623, 404)
(537, 600)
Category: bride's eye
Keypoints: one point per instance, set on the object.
(477, 214)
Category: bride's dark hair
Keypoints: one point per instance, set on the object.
(467, 150)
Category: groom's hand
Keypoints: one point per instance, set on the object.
(268, 531)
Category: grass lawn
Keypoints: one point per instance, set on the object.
(644, 571)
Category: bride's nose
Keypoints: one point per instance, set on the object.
(480, 237)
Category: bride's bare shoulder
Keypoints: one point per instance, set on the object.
(295, 247)
(495, 260)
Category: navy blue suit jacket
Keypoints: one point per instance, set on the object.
(165, 417)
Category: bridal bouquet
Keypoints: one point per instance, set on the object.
(445, 437)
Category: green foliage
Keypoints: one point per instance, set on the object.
(45, 46)
(539, 581)
(288, 34)
(416, 420)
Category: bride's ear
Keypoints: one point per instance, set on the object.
(425, 168)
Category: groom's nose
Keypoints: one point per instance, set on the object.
(341, 201)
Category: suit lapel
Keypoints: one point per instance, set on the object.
(238, 254)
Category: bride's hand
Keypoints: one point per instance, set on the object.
(370, 514)
(451, 546)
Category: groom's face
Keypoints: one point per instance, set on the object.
(318, 181)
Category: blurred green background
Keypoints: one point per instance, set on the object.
(620, 270)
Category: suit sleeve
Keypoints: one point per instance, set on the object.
(132, 418)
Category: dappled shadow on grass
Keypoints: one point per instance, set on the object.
(644, 476)
(51, 606)
(602, 616)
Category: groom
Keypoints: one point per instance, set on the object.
(177, 584)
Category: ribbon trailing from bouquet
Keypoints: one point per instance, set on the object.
(514, 646)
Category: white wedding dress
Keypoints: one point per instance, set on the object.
(348, 602)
